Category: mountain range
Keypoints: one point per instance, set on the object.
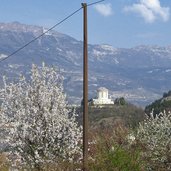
(140, 74)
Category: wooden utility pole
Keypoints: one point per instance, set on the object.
(85, 90)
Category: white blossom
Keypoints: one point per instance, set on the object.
(155, 134)
(38, 124)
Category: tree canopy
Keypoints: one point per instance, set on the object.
(38, 126)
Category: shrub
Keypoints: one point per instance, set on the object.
(38, 126)
(4, 164)
(111, 151)
(155, 135)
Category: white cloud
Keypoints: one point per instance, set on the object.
(104, 9)
(150, 10)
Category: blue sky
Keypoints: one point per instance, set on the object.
(121, 23)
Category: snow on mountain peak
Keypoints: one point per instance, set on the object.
(2, 56)
(46, 32)
(108, 47)
(102, 50)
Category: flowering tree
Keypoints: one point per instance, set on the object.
(39, 126)
(155, 134)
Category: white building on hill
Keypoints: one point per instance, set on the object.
(102, 97)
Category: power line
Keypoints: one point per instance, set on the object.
(41, 35)
(22, 47)
(97, 2)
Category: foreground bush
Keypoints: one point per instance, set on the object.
(4, 164)
(110, 150)
(36, 122)
(154, 134)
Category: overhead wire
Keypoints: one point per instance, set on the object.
(97, 2)
(51, 28)
(16, 51)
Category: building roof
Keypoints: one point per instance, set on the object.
(102, 89)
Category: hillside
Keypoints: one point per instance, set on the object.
(139, 74)
(111, 115)
(160, 105)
